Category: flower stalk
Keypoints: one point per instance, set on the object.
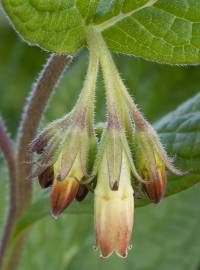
(20, 189)
(67, 146)
(147, 157)
(114, 203)
(7, 147)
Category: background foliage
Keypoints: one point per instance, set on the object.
(166, 236)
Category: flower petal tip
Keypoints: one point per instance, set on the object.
(104, 255)
(123, 254)
(63, 193)
(155, 190)
(55, 215)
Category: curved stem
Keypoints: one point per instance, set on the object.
(34, 109)
(6, 144)
(35, 106)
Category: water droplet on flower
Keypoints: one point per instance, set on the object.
(95, 248)
(130, 247)
(54, 216)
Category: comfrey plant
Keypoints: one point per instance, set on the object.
(120, 162)
(71, 159)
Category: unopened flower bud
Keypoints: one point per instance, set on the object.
(82, 192)
(64, 161)
(63, 193)
(52, 131)
(155, 188)
(46, 178)
(151, 162)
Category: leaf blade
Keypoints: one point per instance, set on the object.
(159, 33)
(41, 209)
(157, 30)
(56, 26)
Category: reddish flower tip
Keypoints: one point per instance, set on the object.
(155, 189)
(113, 223)
(63, 193)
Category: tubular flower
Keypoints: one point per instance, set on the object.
(63, 159)
(67, 149)
(64, 192)
(67, 146)
(152, 162)
(113, 210)
(114, 202)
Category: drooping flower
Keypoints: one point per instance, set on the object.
(152, 162)
(113, 210)
(63, 161)
(67, 146)
(114, 201)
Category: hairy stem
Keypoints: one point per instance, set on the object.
(34, 109)
(87, 96)
(113, 80)
(36, 104)
(6, 144)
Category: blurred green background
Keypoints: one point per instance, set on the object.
(166, 236)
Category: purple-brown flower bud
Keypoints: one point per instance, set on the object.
(51, 134)
(46, 178)
(82, 192)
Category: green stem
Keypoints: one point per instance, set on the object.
(86, 99)
(137, 116)
(34, 109)
(96, 41)
(114, 84)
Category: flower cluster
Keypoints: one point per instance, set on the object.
(127, 156)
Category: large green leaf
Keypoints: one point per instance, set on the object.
(180, 131)
(54, 25)
(165, 31)
(160, 30)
